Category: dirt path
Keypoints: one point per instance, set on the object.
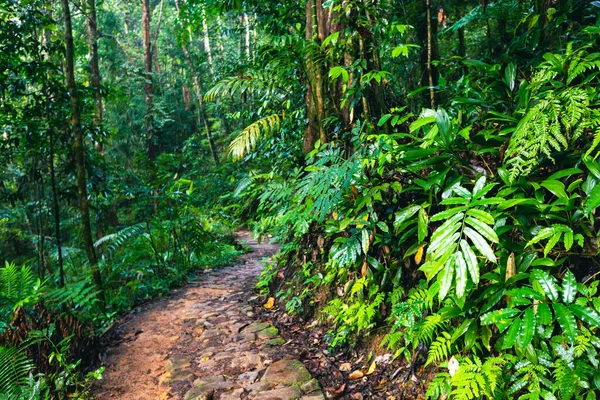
(204, 342)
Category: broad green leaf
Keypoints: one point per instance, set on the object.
(564, 172)
(568, 240)
(481, 245)
(461, 273)
(454, 201)
(551, 243)
(557, 188)
(365, 241)
(527, 328)
(593, 200)
(525, 293)
(544, 233)
(446, 278)
(498, 315)
(448, 247)
(441, 243)
(569, 287)
(470, 260)
(566, 320)
(543, 314)
(423, 224)
(547, 282)
(514, 202)
(483, 229)
(586, 314)
(448, 213)
(481, 216)
(405, 214)
(510, 338)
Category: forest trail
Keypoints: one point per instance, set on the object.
(204, 342)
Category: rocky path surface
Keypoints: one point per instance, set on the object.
(204, 342)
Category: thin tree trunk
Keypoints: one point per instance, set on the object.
(56, 212)
(78, 149)
(247, 35)
(148, 85)
(202, 114)
(207, 47)
(429, 70)
(94, 67)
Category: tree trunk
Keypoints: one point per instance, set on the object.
(78, 149)
(94, 67)
(148, 85)
(56, 212)
(207, 47)
(315, 103)
(429, 55)
(202, 114)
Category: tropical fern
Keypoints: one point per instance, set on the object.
(474, 379)
(18, 286)
(14, 371)
(559, 114)
(115, 240)
(245, 142)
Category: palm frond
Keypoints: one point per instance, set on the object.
(245, 142)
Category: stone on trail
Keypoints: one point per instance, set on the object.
(286, 372)
(275, 342)
(283, 393)
(268, 333)
(256, 327)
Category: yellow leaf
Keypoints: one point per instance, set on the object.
(419, 255)
(511, 269)
(372, 368)
(270, 303)
(356, 374)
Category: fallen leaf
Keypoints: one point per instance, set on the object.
(372, 368)
(340, 389)
(356, 374)
(346, 367)
(270, 303)
(206, 358)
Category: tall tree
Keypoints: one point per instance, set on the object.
(78, 150)
(148, 82)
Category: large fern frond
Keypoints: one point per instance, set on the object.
(245, 142)
(14, 370)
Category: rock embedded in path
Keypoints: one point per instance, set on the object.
(268, 333)
(287, 372)
(283, 393)
(257, 327)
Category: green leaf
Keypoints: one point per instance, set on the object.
(446, 278)
(365, 241)
(566, 320)
(510, 338)
(557, 188)
(495, 316)
(471, 261)
(481, 216)
(515, 202)
(569, 288)
(564, 172)
(461, 274)
(586, 314)
(448, 213)
(593, 200)
(405, 214)
(547, 282)
(481, 245)
(483, 229)
(527, 328)
(543, 314)
(423, 225)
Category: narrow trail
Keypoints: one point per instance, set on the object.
(204, 342)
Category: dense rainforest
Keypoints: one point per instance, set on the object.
(429, 168)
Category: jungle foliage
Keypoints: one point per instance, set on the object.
(430, 169)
